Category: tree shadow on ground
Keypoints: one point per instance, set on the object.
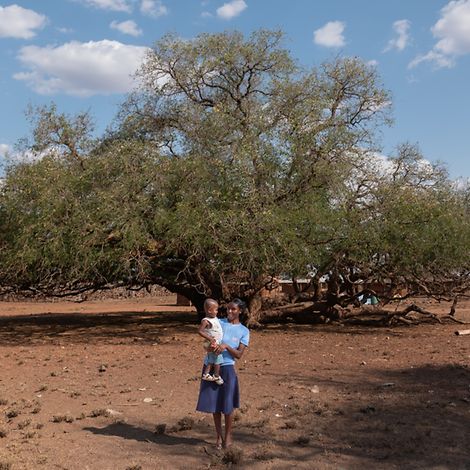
(201, 437)
(406, 419)
(89, 328)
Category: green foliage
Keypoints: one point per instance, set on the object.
(229, 165)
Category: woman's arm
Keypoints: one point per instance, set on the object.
(236, 353)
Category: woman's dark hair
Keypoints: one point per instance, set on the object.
(239, 303)
(242, 306)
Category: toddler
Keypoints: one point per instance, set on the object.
(211, 330)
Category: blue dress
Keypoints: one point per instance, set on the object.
(224, 398)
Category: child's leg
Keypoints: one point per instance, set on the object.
(217, 370)
(207, 368)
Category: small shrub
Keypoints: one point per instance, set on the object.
(99, 412)
(232, 456)
(160, 428)
(62, 418)
(3, 402)
(24, 424)
(5, 465)
(185, 424)
(302, 440)
(12, 414)
(3, 433)
(134, 467)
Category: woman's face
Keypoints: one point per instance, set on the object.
(233, 311)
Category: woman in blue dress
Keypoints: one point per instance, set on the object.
(223, 399)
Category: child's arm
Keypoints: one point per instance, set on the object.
(204, 324)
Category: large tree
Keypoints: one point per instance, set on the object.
(229, 166)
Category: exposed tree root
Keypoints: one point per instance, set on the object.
(315, 312)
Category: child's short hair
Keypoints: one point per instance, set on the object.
(209, 301)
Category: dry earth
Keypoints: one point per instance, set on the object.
(92, 386)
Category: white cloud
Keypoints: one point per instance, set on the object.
(402, 38)
(113, 5)
(4, 150)
(231, 9)
(65, 30)
(453, 33)
(154, 8)
(330, 35)
(206, 14)
(440, 60)
(372, 63)
(18, 22)
(81, 69)
(127, 27)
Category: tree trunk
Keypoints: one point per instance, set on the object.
(254, 311)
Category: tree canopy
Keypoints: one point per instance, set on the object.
(228, 166)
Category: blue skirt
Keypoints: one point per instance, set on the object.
(224, 398)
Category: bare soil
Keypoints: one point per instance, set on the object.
(113, 385)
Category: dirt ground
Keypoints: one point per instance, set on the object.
(92, 386)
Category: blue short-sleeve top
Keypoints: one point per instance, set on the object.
(234, 334)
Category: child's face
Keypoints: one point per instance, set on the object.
(212, 310)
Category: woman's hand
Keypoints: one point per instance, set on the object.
(220, 348)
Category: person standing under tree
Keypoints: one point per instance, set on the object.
(224, 399)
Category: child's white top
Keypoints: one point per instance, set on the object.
(215, 329)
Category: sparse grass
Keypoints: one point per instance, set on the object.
(5, 465)
(134, 467)
(36, 409)
(29, 435)
(265, 451)
(42, 388)
(12, 413)
(244, 408)
(75, 394)
(24, 424)
(3, 402)
(39, 426)
(291, 424)
(62, 418)
(302, 440)
(185, 424)
(99, 412)
(258, 424)
(232, 456)
(3, 433)
(267, 405)
(81, 416)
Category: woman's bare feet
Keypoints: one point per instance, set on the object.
(219, 443)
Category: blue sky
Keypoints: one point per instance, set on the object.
(80, 54)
